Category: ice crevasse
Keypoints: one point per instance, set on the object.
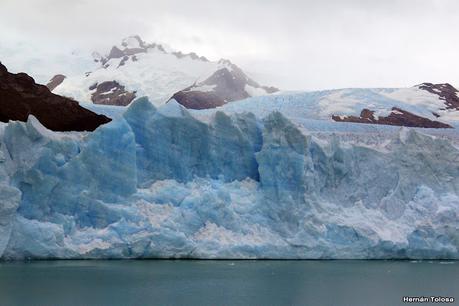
(159, 183)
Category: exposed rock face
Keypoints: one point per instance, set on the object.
(115, 53)
(20, 97)
(397, 117)
(225, 85)
(111, 93)
(445, 91)
(55, 81)
(198, 99)
(135, 45)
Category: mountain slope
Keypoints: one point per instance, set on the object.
(397, 116)
(227, 84)
(415, 106)
(142, 69)
(20, 97)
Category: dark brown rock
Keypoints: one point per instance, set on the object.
(445, 91)
(111, 93)
(270, 89)
(198, 99)
(123, 61)
(115, 53)
(55, 81)
(397, 117)
(20, 97)
(229, 84)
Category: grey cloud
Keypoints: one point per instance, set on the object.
(292, 44)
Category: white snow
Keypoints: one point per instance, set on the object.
(204, 88)
(319, 106)
(397, 112)
(110, 91)
(155, 74)
(43, 64)
(336, 103)
(254, 92)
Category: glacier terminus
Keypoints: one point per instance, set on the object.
(165, 182)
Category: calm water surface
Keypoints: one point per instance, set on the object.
(152, 282)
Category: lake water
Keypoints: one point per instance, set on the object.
(189, 282)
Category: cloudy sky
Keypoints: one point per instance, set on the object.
(293, 44)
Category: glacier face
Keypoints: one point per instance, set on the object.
(157, 182)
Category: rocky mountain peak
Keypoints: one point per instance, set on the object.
(227, 84)
(134, 45)
(21, 97)
(135, 68)
(445, 91)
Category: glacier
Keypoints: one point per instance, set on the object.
(323, 104)
(164, 183)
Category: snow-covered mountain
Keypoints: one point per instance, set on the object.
(135, 68)
(286, 175)
(225, 85)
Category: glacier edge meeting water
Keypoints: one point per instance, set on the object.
(159, 183)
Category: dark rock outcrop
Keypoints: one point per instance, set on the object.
(445, 91)
(20, 97)
(115, 53)
(270, 89)
(397, 117)
(55, 81)
(125, 52)
(111, 93)
(198, 99)
(225, 85)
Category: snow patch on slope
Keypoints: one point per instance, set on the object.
(155, 74)
(321, 105)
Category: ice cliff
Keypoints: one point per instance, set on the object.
(157, 182)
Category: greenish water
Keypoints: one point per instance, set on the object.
(163, 282)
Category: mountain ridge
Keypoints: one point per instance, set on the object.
(21, 97)
(150, 69)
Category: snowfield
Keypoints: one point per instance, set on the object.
(349, 101)
(168, 183)
(155, 74)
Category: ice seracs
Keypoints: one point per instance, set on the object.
(162, 183)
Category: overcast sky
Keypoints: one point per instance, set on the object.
(292, 44)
